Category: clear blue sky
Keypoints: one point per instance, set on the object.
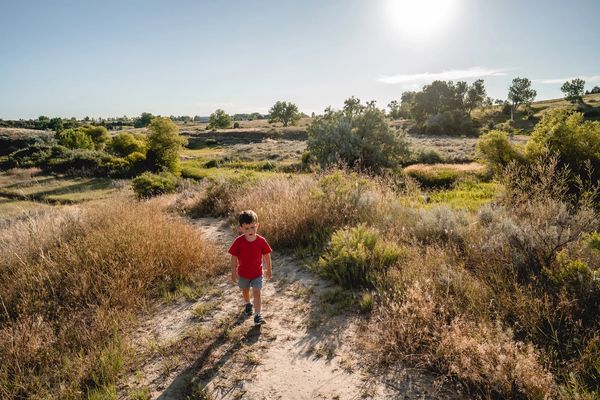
(112, 58)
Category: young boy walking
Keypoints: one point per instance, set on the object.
(249, 252)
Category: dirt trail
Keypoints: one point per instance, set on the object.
(307, 349)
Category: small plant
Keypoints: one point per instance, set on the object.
(365, 303)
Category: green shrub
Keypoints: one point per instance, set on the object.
(127, 143)
(34, 155)
(362, 139)
(219, 120)
(357, 256)
(429, 156)
(212, 164)
(496, 151)
(79, 162)
(575, 141)
(454, 123)
(149, 184)
(75, 139)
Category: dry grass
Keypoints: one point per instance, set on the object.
(70, 279)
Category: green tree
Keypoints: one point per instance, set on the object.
(164, 145)
(98, 134)
(219, 120)
(143, 121)
(352, 106)
(395, 109)
(284, 112)
(75, 139)
(56, 124)
(520, 92)
(363, 140)
(126, 143)
(573, 90)
(475, 96)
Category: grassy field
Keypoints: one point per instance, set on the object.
(23, 190)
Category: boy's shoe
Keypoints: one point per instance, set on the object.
(259, 320)
(248, 310)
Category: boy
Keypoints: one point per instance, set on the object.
(248, 253)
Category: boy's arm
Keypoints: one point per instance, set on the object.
(234, 265)
(268, 267)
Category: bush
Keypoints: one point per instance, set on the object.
(430, 156)
(495, 150)
(356, 257)
(236, 125)
(127, 143)
(149, 184)
(35, 155)
(362, 140)
(75, 139)
(219, 120)
(575, 141)
(79, 162)
(454, 123)
(217, 199)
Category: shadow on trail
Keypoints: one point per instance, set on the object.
(191, 381)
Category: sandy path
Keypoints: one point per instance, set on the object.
(305, 351)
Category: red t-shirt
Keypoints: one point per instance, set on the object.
(249, 255)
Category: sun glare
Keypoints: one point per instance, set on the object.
(420, 19)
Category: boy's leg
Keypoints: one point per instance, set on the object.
(246, 294)
(257, 300)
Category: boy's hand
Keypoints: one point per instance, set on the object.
(268, 273)
(234, 277)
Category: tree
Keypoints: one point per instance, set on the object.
(98, 134)
(126, 143)
(573, 90)
(520, 92)
(475, 96)
(285, 112)
(219, 120)
(595, 89)
(395, 110)
(164, 145)
(75, 139)
(362, 139)
(143, 121)
(352, 106)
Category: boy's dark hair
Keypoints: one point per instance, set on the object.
(247, 217)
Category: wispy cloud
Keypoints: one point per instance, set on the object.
(426, 77)
(587, 79)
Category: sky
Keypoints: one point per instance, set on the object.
(112, 58)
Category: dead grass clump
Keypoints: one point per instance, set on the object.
(489, 358)
(70, 278)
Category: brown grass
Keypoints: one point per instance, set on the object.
(70, 279)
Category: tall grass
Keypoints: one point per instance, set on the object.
(70, 281)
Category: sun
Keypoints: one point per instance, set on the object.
(419, 19)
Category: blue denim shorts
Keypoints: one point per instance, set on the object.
(256, 283)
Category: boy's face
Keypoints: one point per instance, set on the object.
(249, 230)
